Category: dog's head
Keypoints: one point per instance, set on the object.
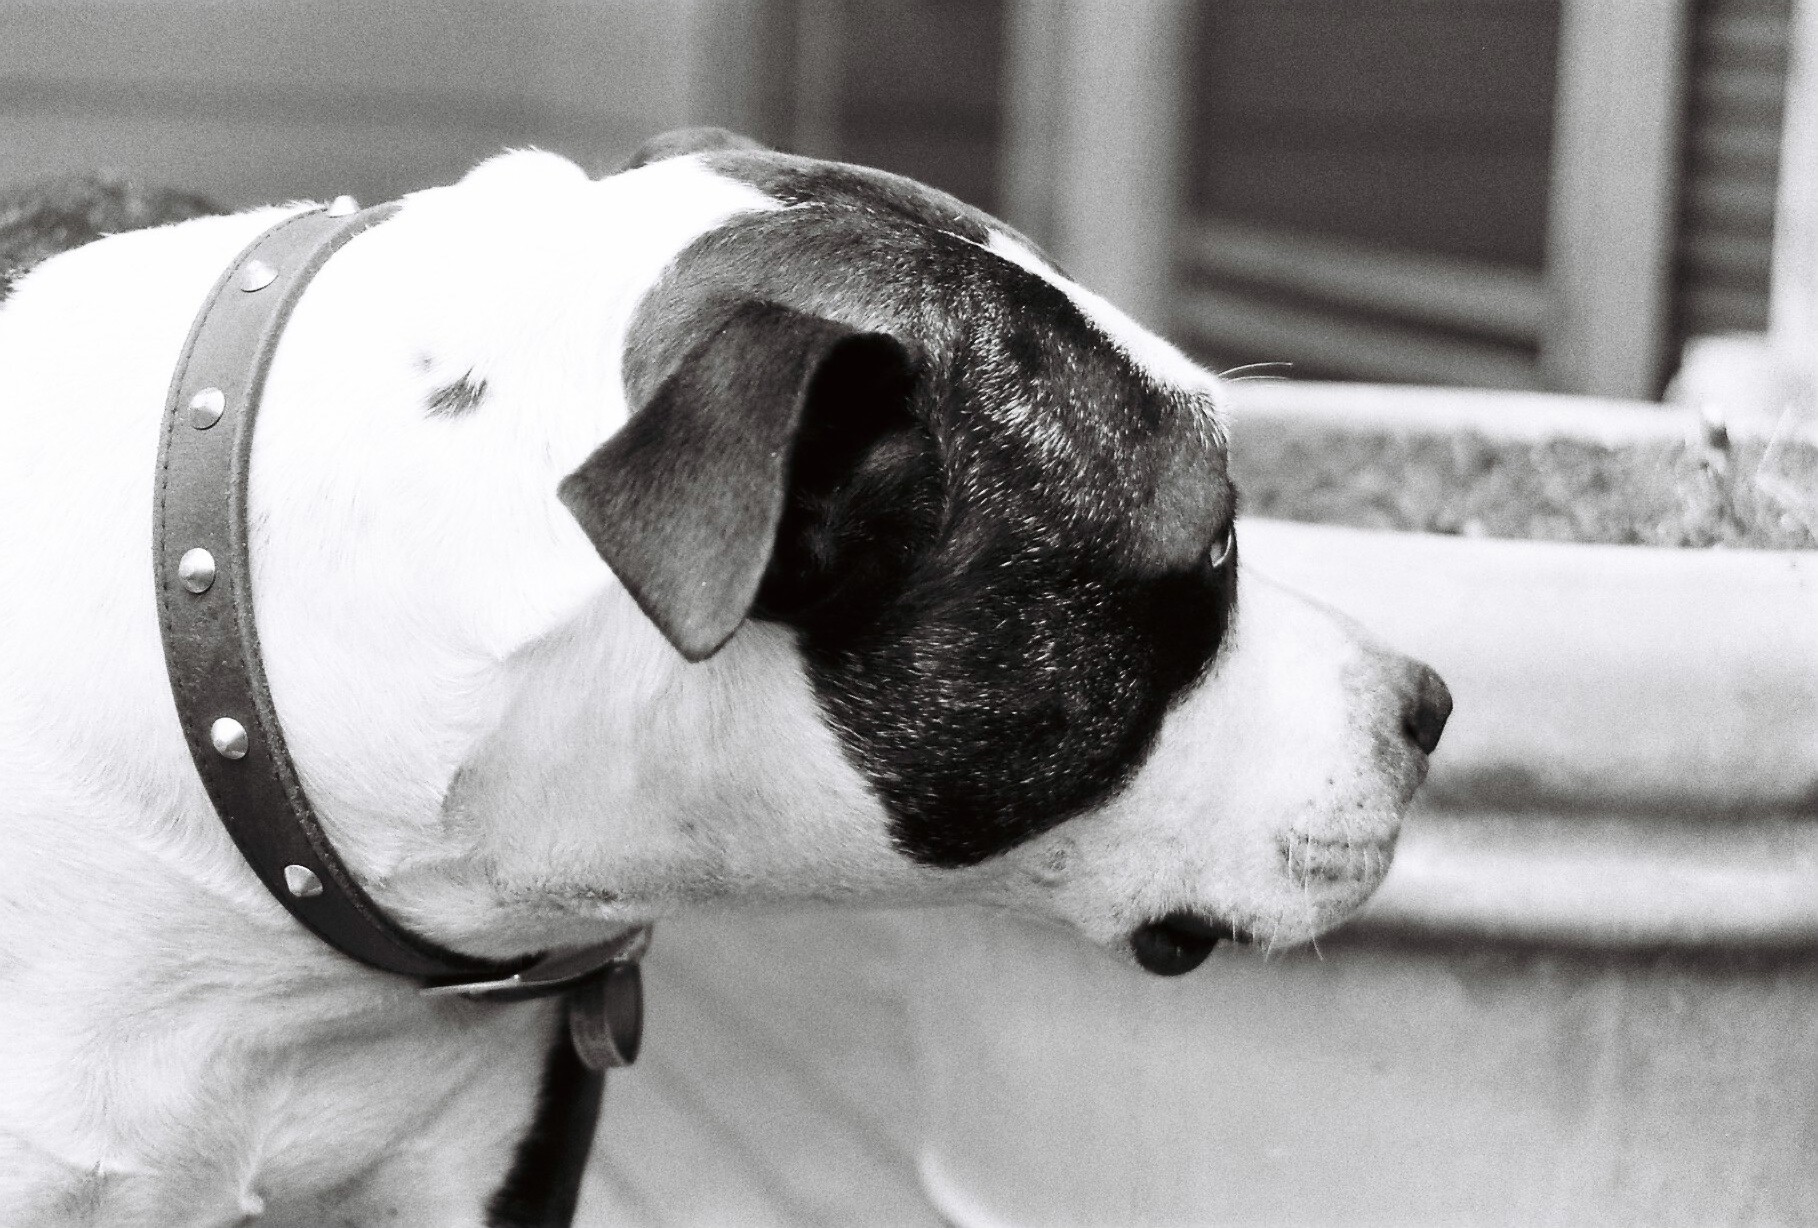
(943, 549)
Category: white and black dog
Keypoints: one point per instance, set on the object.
(735, 528)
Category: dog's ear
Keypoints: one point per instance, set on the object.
(864, 498)
(685, 503)
(679, 141)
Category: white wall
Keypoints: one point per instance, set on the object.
(257, 100)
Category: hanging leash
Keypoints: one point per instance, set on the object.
(211, 651)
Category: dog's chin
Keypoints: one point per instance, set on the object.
(1179, 942)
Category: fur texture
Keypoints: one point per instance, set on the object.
(991, 657)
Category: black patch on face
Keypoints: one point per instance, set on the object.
(453, 400)
(1017, 543)
(41, 219)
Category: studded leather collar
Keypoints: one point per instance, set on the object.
(211, 650)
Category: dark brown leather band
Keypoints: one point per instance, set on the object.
(211, 646)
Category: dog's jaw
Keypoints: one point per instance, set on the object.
(1247, 836)
(622, 784)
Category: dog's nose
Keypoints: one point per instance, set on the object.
(1429, 703)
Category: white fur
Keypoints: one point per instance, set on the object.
(505, 752)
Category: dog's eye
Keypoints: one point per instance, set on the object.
(1220, 554)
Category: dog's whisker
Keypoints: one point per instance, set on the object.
(1228, 372)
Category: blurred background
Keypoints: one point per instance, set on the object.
(1548, 194)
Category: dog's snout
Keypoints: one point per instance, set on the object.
(1428, 705)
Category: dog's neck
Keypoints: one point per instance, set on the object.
(505, 752)
(618, 785)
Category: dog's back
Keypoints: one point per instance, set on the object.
(40, 219)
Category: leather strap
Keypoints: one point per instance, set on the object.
(211, 649)
(546, 1176)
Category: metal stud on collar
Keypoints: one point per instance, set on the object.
(206, 408)
(197, 570)
(229, 738)
(342, 206)
(256, 276)
(302, 882)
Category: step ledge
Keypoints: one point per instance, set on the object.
(1621, 882)
(1529, 417)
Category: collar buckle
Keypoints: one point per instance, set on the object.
(552, 974)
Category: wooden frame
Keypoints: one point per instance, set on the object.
(1506, 309)
(1093, 172)
(819, 29)
(1614, 195)
(1793, 313)
(1093, 102)
(261, 102)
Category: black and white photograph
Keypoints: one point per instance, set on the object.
(908, 613)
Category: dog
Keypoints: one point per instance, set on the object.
(737, 528)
